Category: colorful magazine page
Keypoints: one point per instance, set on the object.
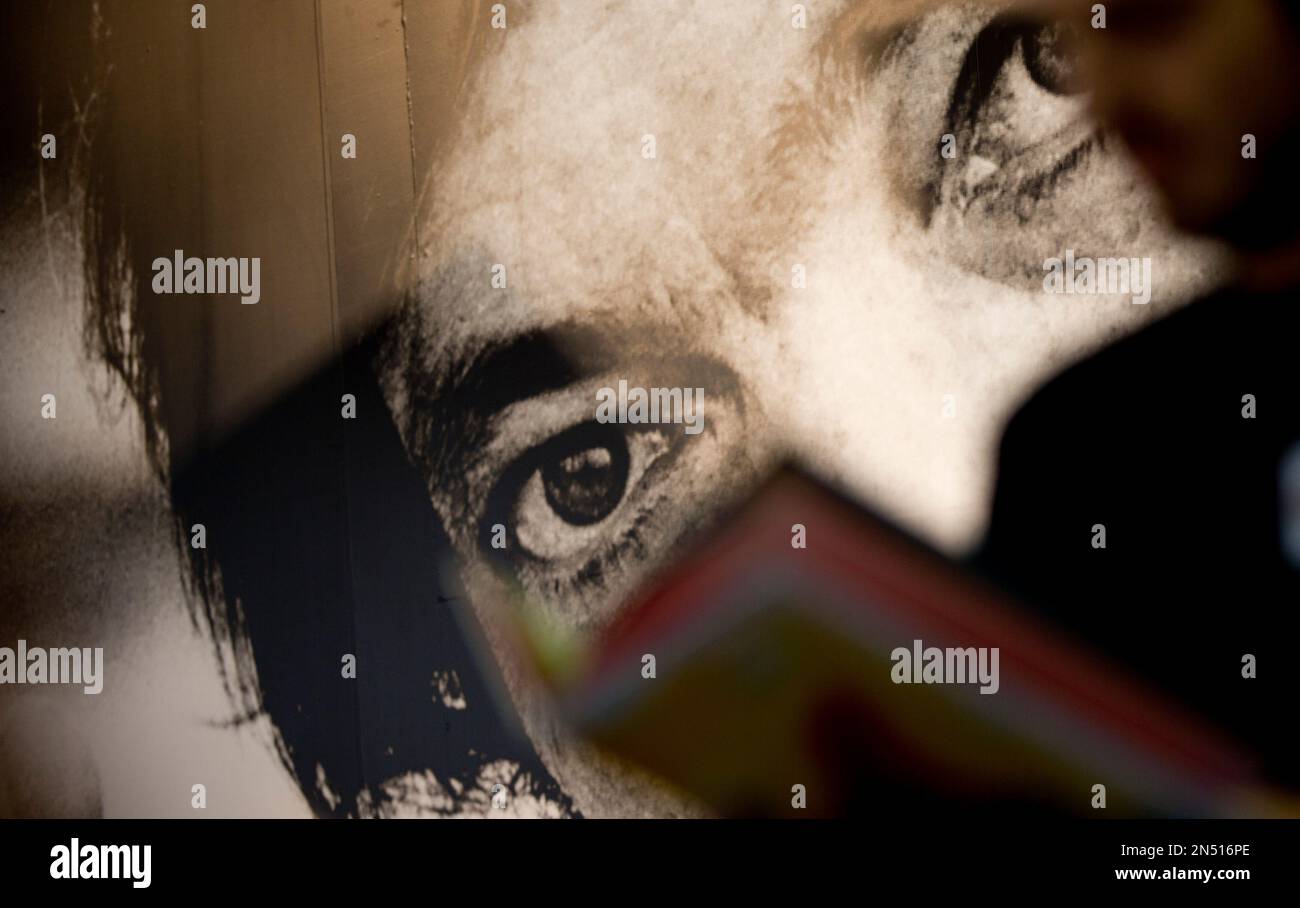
(721, 675)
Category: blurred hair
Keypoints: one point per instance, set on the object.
(285, 584)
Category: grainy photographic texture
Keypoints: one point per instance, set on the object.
(831, 218)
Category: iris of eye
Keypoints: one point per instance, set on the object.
(1050, 56)
(585, 487)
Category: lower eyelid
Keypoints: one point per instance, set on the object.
(1034, 170)
(642, 463)
(527, 425)
(640, 529)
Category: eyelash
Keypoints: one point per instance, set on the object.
(596, 568)
(1005, 42)
(591, 576)
(1003, 161)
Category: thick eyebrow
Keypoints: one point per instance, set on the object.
(540, 360)
(451, 406)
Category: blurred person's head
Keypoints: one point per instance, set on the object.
(1206, 94)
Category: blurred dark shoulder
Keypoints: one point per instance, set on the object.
(1163, 433)
(1141, 504)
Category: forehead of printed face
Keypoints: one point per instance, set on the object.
(653, 157)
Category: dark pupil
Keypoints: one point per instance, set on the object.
(584, 487)
(1050, 58)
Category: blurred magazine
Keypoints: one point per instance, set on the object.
(802, 603)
